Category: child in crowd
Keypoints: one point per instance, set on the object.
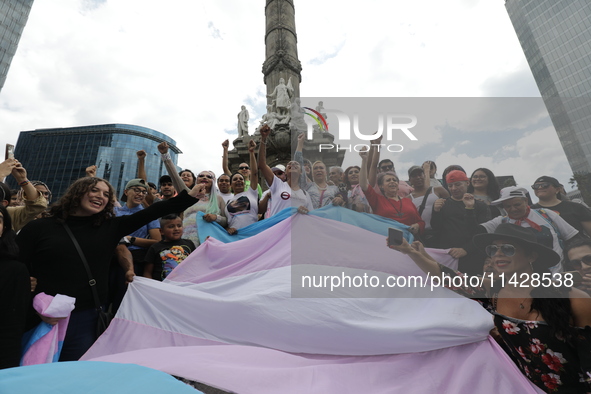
(167, 254)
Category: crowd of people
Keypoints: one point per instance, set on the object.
(154, 227)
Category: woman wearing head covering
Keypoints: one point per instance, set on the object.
(212, 204)
(243, 208)
(542, 320)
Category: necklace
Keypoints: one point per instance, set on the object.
(321, 188)
(496, 299)
(398, 210)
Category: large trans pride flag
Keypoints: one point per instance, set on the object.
(238, 316)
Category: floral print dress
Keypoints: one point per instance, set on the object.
(548, 360)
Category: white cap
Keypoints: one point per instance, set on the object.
(281, 167)
(509, 193)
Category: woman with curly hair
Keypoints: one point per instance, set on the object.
(543, 322)
(49, 252)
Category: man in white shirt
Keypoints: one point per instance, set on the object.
(550, 229)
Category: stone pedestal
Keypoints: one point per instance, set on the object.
(280, 147)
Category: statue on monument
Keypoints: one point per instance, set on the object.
(282, 95)
(243, 122)
(269, 118)
(320, 109)
(297, 122)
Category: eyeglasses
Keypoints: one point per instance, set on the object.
(45, 194)
(479, 177)
(204, 176)
(578, 263)
(507, 249)
(278, 172)
(540, 186)
(387, 168)
(244, 168)
(139, 191)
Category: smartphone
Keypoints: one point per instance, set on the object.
(394, 236)
(576, 276)
(9, 152)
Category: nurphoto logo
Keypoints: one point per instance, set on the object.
(389, 126)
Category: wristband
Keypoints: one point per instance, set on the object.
(469, 208)
(23, 183)
(165, 156)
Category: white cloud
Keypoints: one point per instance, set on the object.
(186, 68)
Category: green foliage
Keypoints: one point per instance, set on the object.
(582, 180)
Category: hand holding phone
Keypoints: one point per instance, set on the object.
(9, 151)
(394, 237)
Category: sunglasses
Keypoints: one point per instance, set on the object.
(387, 168)
(507, 249)
(244, 168)
(139, 191)
(578, 263)
(204, 176)
(540, 186)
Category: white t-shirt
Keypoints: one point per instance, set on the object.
(226, 196)
(428, 211)
(242, 209)
(282, 196)
(566, 230)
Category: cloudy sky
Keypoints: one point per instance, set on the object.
(186, 67)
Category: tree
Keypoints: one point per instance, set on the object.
(582, 180)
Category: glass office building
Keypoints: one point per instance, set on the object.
(60, 156)
(556, 38)
(13, 17)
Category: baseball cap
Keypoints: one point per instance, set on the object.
(509, 193)
(136, 183)
(553, 181)
(413, 169)
(165, 179)
(456, 176)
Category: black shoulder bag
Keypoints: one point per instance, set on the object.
(424, 202)
(104, 317)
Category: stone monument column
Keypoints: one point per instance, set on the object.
(281, 51)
